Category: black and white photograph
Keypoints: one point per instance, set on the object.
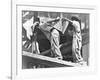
(54, 39)
(50, 40)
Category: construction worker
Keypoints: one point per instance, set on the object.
(51, 28)
(52, 34)
(31, 27)
(77, 39)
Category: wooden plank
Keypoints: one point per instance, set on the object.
(52, 62)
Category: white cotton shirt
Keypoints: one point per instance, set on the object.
(27, 25)
(77, 38)
(76, 25)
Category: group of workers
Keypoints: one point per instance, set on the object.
(52, 29)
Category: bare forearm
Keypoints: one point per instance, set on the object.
(53, 20)
(66, 19)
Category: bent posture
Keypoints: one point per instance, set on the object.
(77, 39)
(53, 35)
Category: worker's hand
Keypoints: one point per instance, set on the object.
(75, 23)
(34, 25)
(58, 18)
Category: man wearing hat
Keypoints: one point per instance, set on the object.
(77, 39)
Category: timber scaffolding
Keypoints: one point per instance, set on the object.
(47, 61)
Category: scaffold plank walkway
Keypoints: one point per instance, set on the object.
(49, 61)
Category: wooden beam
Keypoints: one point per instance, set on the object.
(48, 61)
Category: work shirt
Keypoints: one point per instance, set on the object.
(77, 38)
(27, 25)
(77, 41)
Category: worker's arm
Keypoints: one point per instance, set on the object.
(34, 25)
(66, 19)
(53, 20)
